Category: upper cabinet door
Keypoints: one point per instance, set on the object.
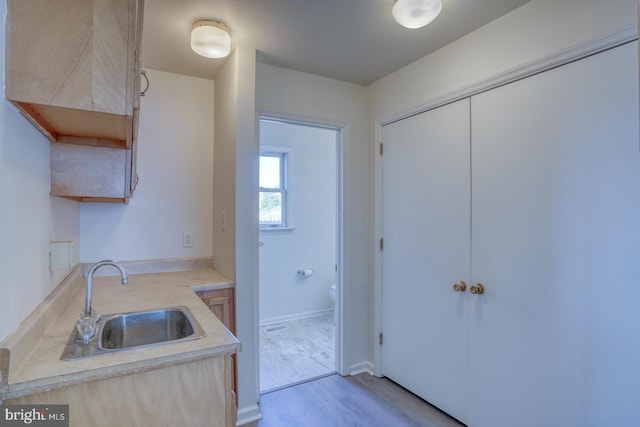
(426, 196)
(555, 238)
(72, 67)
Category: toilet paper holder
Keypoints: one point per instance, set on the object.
(305, 272)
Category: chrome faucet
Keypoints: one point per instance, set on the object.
(86, 325)
(125, 280)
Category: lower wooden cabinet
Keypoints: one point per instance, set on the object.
(222, 303)
(189, 394)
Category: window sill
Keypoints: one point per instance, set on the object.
(276, 230)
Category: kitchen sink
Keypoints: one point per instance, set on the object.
(124, 331)
(147, 327)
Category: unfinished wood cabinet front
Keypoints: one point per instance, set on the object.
(221, 303)
(72, 67)
(190, 394)
(105, 172)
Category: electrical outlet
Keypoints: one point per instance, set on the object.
(187, 239)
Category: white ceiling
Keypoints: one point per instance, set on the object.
(351, 40)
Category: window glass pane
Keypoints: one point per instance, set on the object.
(270, 172)
(270, 208)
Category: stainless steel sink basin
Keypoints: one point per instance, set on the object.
(124, 331)
(148, 327)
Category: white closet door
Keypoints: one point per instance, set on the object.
(426, 217)
(555, 340)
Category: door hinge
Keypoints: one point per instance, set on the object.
(381, 149)
(381, 244)
(380, 338)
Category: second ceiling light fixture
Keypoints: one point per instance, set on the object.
(416, 13)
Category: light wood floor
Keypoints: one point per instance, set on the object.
(357, 401)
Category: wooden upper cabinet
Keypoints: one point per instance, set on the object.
(72, 68)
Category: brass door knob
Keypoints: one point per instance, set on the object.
(460, 286)
(477, 289)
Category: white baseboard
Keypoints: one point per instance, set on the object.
(362, 367)
(248, 414)
(297, 316)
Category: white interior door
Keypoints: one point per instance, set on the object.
(426, 227)
(555, 339)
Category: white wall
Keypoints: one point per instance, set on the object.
(536, 30)
(235, 239)
(224, 183)
(312, 243)
(291, 94)
(247, 149)
(175, 166)
(29, 217)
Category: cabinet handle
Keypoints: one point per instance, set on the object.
(477, 289)
(144, 74)
(460, 286)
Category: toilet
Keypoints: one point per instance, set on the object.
(332, 294)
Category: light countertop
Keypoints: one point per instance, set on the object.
(41, 368)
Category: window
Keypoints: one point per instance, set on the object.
(273, 195)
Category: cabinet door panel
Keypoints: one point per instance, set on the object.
(76, 53)
(555, 238)
(426, 250)
(222, 303)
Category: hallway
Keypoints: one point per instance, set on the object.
(358, 401)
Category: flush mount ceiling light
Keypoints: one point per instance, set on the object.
(210, 39)
(416, 13)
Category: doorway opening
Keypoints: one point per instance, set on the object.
(298, 252)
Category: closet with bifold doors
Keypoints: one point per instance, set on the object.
(511, 261)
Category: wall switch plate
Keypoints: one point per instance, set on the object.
(60, 255)
(187, 239)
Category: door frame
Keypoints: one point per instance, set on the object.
(341, 302)
(557, 59)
